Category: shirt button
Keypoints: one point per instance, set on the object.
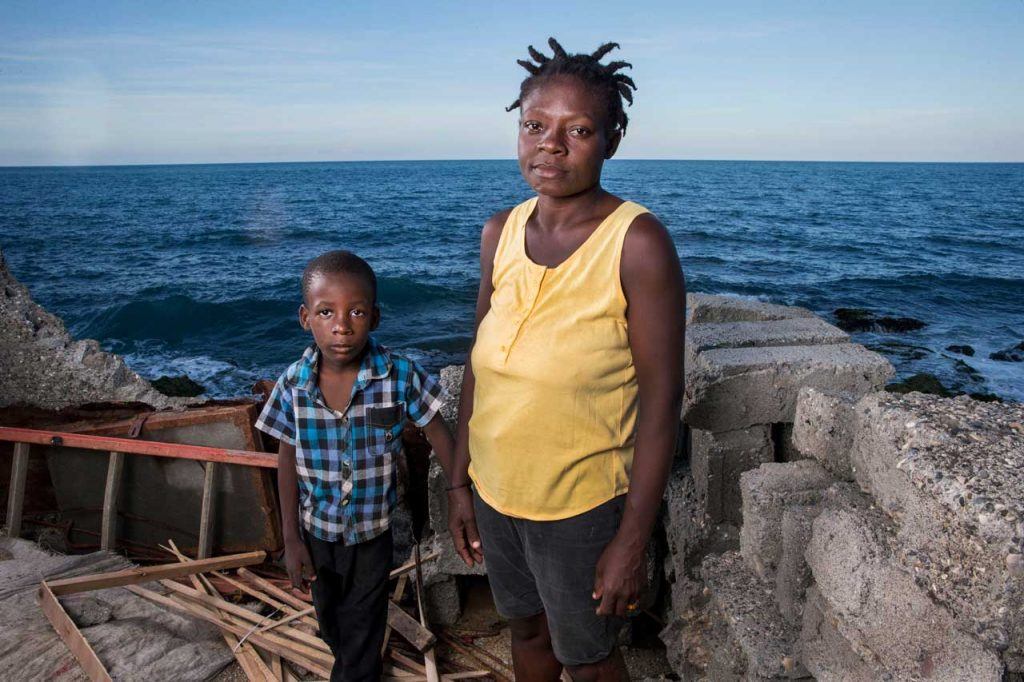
(344, 420)
(344, 503)
(388, 437)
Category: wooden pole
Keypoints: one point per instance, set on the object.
(208, 511)
(108, 535)
(16, 492)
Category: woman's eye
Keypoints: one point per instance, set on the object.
(531, 126)
(579, 131)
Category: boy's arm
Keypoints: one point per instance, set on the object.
(656, 293)
(296, 556)
(461, 519)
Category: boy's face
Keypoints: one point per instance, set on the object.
(563, 141)
(339, 309)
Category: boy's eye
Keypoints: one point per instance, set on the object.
(324, 313)
(357, 313)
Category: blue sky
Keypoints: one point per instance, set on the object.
(167, 82)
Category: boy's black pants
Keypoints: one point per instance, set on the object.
(350, 595)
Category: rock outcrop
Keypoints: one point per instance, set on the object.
(42, 366)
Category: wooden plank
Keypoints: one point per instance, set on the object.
(73, 639)
(139, 447)
(288, 619)
(108, 530)
(411, 565)
(16, 491)
(273, 589)
(245, 614)
(266, 599)
(206, 516)
(303, 656)
(134, 576)
(396, 598)
(245, 654)
(409, 628)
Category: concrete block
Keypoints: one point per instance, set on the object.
(448, 563)
(451, 381)
(879, 607)
(718, 459)
(685, 523)
(823, 427)
(951, 473)
(733, 388)
(799, 331)
(764, 645)
(443, 602)
(824, 651)
(767, 492)
(702, 308)
(793, 576)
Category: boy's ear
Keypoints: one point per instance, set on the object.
(304, 317)
(375, 322)
(613, 144)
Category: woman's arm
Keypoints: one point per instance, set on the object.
(461, 518)
(656, 295)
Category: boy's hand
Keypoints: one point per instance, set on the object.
(462, 526)
(299, 565)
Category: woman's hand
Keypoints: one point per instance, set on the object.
(619, 577)
(299, 565)
(462, 526)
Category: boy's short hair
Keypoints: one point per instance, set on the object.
(339, 262)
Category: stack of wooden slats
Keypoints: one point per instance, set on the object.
(276, 643)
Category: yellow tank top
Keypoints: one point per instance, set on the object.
(554, 409)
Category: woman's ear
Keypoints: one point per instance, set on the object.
(613, 144)
(304, 317)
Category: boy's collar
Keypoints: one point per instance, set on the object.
(376, 364)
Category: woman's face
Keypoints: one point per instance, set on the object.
(563, 138)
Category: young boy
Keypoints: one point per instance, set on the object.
(338, 413)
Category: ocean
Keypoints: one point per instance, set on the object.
(195, 269)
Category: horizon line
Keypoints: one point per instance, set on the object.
(510, 159)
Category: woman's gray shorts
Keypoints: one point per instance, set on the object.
(548, 566)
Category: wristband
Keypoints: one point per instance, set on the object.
(456, 487)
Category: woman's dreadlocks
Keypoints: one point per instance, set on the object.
(588, 68)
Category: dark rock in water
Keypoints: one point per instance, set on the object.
(862, 320)
(986, 397)
(962, 350)
(922, 383)
(1011, 354)
(963, 368)
(904, 351)
(178, 387)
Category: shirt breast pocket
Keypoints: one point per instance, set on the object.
(384, 427)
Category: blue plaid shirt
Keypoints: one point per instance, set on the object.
(346, 460)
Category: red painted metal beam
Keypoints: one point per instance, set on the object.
(107, 444)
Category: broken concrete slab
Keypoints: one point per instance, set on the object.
(443, 602)
(823, 427)
(767, 492)
(951, 473)
(710, 308)
(718, 459)
(733, 388)
(798, 331)
(745, 604)
(880, 609)
(825, 652)
(793, 575)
